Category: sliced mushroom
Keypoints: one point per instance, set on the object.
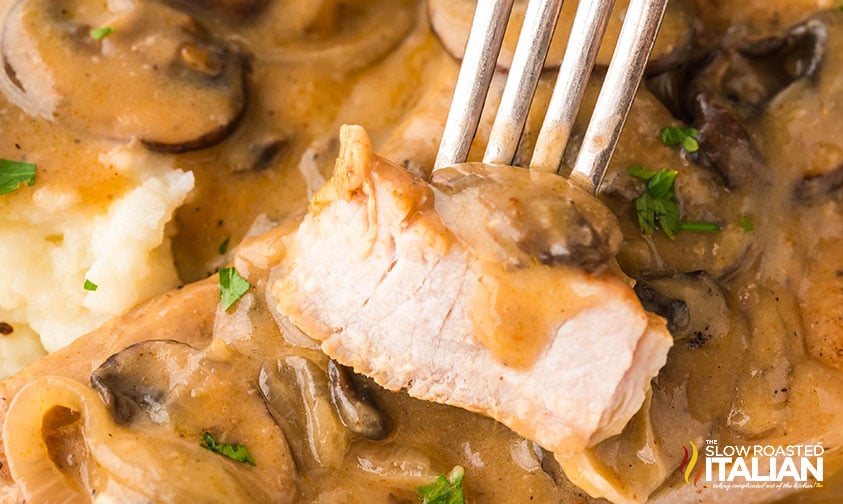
(709, 351)
(340, 36)
(675, 311)
(161, 462)
(701, 198)
(755, 70)
(127, 387)
(284, 402)
(162, 396)
(722, 254)
(749, 72)
(549, 219)
(451, 20)
(692, 303)
(158, 77)
(735, 82)
(299, 384)
(357, 411)
(799, 52)
(270, 23)
(726, 144)
(671, 89)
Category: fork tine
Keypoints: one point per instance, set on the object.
(583, 44)
(478, 65)
(530, 53)
(633, 48)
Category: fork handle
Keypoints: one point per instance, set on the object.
(633, 48)
(476, 70)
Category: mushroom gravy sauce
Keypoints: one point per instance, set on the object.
(249, 95)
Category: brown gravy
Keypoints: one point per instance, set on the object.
(759, 360)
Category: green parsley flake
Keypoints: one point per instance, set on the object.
(657, 206)
(444, 490)
(90, 286)
(641, 172)
(745, 224)
(686, 137)
(699, 226)
(102, 32)
(232, 287)
(15, 173)
(224, 246)
(234, 451)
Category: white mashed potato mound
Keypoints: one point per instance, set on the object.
(51, 248)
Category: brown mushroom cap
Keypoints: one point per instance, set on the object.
(529, 215)
(342, 36)
(317, 438)
(129, 382)
(721, 92)
(356, 409)
(157, 77)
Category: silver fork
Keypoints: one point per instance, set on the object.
(623, 76)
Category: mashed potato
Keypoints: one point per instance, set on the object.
(50, 247)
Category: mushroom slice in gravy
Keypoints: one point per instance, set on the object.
(145, 440)
(157, 76)
(342, 36)
(356, 409)
(426, 286)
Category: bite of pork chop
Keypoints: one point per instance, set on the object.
(486, 288)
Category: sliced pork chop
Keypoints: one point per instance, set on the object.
(486, 289)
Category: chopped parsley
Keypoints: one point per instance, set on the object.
(223, 248)
(699, 226)
(90, 286)
(232, 287)
(444, 490)
(101, 32)
(657, 205)
(234, 451)
(745, 224)
(15, 173)
(686, 137)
